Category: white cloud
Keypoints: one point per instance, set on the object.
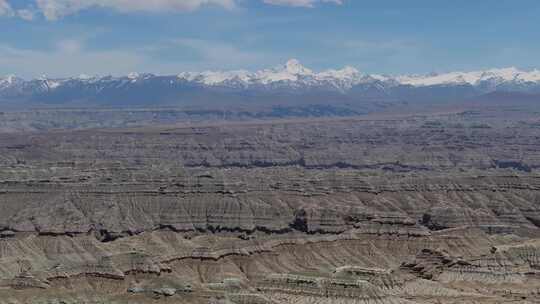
(300, 3)
(5, 8)
(55, 9)
(26, 14)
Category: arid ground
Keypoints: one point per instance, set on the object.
(432, 208)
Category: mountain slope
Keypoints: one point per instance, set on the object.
(290, 83)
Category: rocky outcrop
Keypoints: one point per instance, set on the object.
(334, 212)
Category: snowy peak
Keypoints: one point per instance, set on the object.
(213, 78)
(9, 81)
(291, 72)
(495, 76)
(345, 73)
(133, 75)
(290, 81)
(294, 67)
(294, 76)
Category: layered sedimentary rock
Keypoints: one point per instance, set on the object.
(408, 210)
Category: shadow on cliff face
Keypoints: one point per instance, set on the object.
(428, 221)
(300, 221)
(534, 220)
(516, 165)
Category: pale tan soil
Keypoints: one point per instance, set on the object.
(400, 210)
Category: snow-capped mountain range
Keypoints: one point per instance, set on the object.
(347, 77)
(292, 72)
(497, 76)
(291, 79)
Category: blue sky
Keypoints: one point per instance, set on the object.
(71, 37)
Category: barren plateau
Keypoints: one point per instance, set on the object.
(435, 208)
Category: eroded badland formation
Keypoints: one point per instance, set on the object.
(401, 209)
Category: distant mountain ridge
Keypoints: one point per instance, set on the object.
(291, 82)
